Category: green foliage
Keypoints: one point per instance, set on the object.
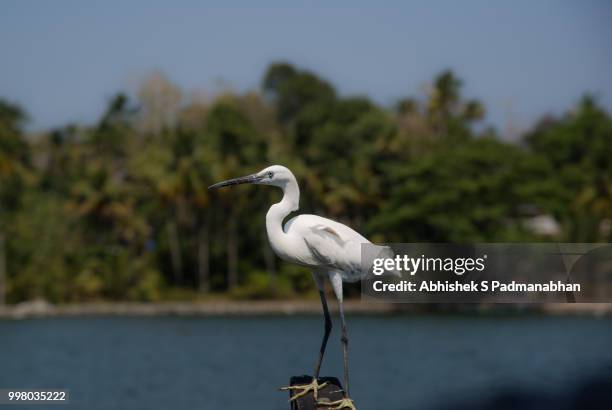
(578, 147)
(294, 90)
(14, 157)
(261, 285)
(120, 210)
(466, 193)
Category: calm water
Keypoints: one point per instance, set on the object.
(237, 364)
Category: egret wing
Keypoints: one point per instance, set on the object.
(333, 245)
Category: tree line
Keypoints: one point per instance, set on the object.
(119, 209)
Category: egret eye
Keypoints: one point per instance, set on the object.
(270, 174)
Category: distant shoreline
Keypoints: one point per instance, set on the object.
(42, 309)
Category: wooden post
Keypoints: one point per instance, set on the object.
(332, 392)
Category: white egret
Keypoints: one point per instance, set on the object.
(328, 248)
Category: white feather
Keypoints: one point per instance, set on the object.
(328, 245)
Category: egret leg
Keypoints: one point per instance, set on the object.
(346, 402)
(344, 341)
(328, 328)
(314, 386)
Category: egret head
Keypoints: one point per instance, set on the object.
(276, 175)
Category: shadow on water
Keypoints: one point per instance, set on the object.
(592, 394)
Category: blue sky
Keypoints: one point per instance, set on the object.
(62, 60)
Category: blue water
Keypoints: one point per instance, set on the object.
(397, 363)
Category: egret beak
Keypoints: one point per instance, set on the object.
(249, 179)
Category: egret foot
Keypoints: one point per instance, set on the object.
(345, 403)
(305, 388)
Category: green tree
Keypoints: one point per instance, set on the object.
(577, 147)
(448, 113)
(240, 150)
(14, 164)
(469, 193)
(120, 210)
(292, 90)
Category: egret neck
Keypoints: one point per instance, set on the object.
(279, 211)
